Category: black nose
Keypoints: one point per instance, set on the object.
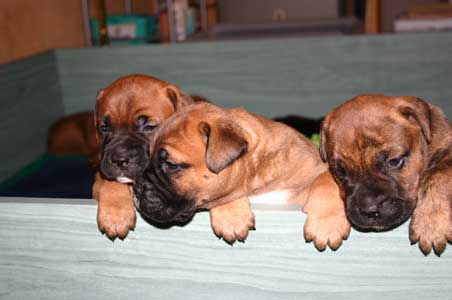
(371, 211)
(120, 161)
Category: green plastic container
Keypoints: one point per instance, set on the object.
(127, 29)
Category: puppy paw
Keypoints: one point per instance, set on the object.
(116, 211)
(116, 221)
(431, 226)
(326, 230)
(232, 221)
(326, 224)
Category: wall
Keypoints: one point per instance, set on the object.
(28, 27)
(32, 26)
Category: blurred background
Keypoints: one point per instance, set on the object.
(32, 26)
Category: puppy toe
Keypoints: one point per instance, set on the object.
(426, 246)
(116, 222)
(335, 242)
(439, 247)
(229, 235)
(242, 234)
(308, 235)
(321, 243)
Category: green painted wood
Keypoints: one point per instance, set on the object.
(54, 251)
(30, 101)
(274, 77)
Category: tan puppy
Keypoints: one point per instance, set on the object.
(127, 113)
(392, 158)
(74, 134)
(205, 157)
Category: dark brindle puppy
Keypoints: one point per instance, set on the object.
(127, 113)
(392, 159)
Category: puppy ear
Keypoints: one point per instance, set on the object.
(418, 111)
(225, 143)
(100, 94)
(178, 97)
(323, 141)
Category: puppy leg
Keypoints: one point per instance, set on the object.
(431, 223)
(116, 211)
(326, 222)
(232, 221)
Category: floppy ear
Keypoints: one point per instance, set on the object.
(225, 143)
(418, 111)
(323, 141)
(99, 96)
(178, 97)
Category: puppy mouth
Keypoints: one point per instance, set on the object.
(165, 216)
(379, 218)
(124, 158)
(124, 179)
(157, 204)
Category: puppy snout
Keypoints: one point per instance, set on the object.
(371, 212)
(120, 161)
(122, 156)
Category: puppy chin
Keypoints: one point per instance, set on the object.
(382, 222)
(126, 175)
(158, 209)
(166, 216)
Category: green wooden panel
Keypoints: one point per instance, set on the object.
(308, 76)
(30, 101)
(54, 251)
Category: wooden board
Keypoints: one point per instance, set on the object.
(30, 101)
(54, 251)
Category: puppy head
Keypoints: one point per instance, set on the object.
(375, 147)
(127, 113)
(194, 153)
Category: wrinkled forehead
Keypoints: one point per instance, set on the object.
(362, 138)
(128, 104)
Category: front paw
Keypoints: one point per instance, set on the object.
(232, 222)
(116, 220)
(327, 230)
(326, 224)
(431, 226)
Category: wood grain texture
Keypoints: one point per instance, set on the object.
(30, 27)
(30, 100)
(308, 76)
(54, 251)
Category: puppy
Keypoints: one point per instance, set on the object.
(392, 158)
(127, 114)
(205, 157)
(74, 134)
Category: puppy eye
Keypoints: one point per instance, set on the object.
(104, 128)
(169, 166)
(340, 171)
(172, 166)
(149, 128)
(143, 125)
(395, 163)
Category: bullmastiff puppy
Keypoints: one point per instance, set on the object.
(128, 112)
(392, 159)
(74, 134)
(205, 157)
